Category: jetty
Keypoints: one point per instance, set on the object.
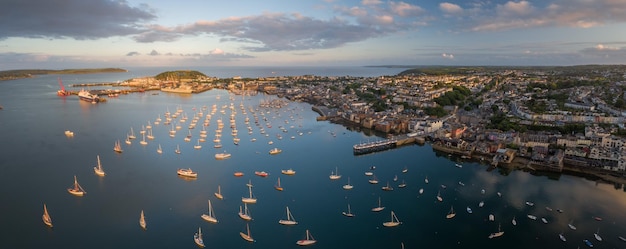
(382, 145)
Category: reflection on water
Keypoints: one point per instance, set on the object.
(42, 161)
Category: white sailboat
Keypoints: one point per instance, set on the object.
(334, 175)
(210, 216)
(514, 222)
(451, 214)
(571, 225)
(597, 235)
(118, 147)
(308, 241)
(290, 220)
(439, 196)
(393, 222)
(379, 208)
(218, 194)
(349, 213)
(348, 186)
(143, 140)
(197, 146)
(76, 190)
(247, 236)
(142, 220)
(132, 134)
(249, 199)
(159, 150)
(198, 238)
(496, 234)
(277, 186)
(177, 151)
(98, 168)
(244, 213)
(46, 216)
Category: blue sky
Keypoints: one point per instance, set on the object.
(113, 33)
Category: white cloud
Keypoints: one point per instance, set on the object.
(447, 56)
(404, 9)
(450, 8)
(371, 2)
(216, 51)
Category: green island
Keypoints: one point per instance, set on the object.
(29, 73)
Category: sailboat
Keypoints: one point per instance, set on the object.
(142, 220)
(393, 222)
(387, 188)
(118, 147)
(132, 134)
(143, 140)
(334, 175)
(514, 221)
(277, 186)
(402, 185)
(76, 190)
(597, 235)
(98, 168)
(210, 216)
(308, 241)
(349, 213)
(571, 226)
(451, 214)
(150, 136)
(379, 208)
(218, 194)
(198, 238)
(46, 216)
(348, 186)
(244, 214)
(290, 220)
(159, 150)
(249, 199)
(177, 151)
(127, 140)
(497, 234)
(426, 180)
(439, 196)
(197, 146)
(562, 237)
(247, 236)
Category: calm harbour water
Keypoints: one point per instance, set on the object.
(38, 162)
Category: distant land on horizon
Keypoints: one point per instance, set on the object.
(28, 73)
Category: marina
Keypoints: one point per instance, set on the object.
(175, 205)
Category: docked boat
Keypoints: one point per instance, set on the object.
(275, 151)
(387, 188)
(393, 222)
(532, 217)
(530, 203)
(198, 238)
(177, 150)
(496, 234)
(451, 214)
(222, 156)
(98, 168)
(261, 173)
(369, 173)
(421, 191)
(198, 146)
(621, 238)
(308, 241)
(46, 216)
(379, 207)
(76, 190)
(249, 199)
(159, 150)
(210, 216)
(469, 210)
(238, 174)
(405, 170)
(277, 186)
(118, 147)
(335, 175)
(439, 198)
(562, 237)
(290, 220)
(491, 217)
(218, 194)
(348, 186)
(543, 219)
(288, 172)
(87, 96)
(426, 180)
(458, 165)
(513, 221)
(187, 173)
(481, 204)
(349, 213)
(142, 220)
(246, 236)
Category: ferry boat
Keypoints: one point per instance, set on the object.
(87, 96)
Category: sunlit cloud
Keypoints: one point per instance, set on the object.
(450, 8)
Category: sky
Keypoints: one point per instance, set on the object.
(57, 34)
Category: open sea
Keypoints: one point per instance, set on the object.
(38, 164)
